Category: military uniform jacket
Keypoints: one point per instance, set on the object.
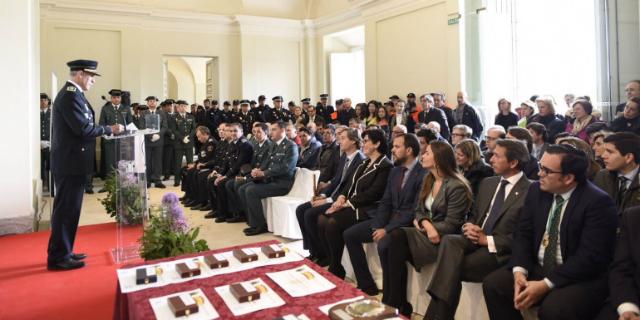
(328, 160)
(228, 116)
(45, 125)
(261, 153)
(183, 127)
(109, 116)
(212, 119)
(220, 155)
(207, 151)
(138, 120)
(240, 153)
(163, 127)
(246, 121)
(73, 134)
(282, 161)
(258, 114)
(272, 115)
(325, 111)
(168, 135)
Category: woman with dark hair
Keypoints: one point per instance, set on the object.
(383, 120)
(539, 135)
(361, 111)
(505, 117)
(372, 113)
(470, 162)
(582, 109)
(361, 195)
(443, 204)
(532, 167)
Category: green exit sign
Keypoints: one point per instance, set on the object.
(454, 20)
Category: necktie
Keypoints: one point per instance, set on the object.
(550, 241)
(344, 173)
(622, 189)
(403, 171)
(494, 213)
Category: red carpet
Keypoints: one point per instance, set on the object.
(29, 291)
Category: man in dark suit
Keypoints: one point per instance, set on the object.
(395, 210)
(562, 248)
(45, 140)
(168, 153)
(632, 90)
(624, 272)
(485, 244)
(620, 177)
(154, 143)
(431, 113)
(328, 157)
(111, 114)
(239, 153)
(309, 149)
(274, 178)
(468, 115)
(439, 102)
(308, 212)
(313, 116)
(346, 112)
(72, 158)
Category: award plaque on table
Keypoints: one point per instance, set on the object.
(131, 186)
(365, 309)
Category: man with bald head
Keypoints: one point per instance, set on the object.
(466, 114)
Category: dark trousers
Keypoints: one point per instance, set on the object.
(393, 259)
(240, 190)
(222, 200)
(44, 168)
(233, 201)
(153, 155)
(189, 178)
(182, 152)
(201, 191)
(330, 229)
(608, 312)
(308, 221)
(581, 300)
(458, 260)
(254, 193)
(109, 155)
(354, 237)
(168, 160)
(65, 216)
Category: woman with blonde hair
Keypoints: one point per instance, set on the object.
(470, 162)
(548, 117)
(505, 117)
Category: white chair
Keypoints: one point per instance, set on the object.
(281, 211)
(373, 260)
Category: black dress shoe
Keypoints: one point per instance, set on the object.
(103, 190)
(78, 256)
(210, 215)
(236, 219)
(176, 184)
(323, 262)
(165, 178)
(68, 264)
(182, 198)
(191, 203)
(245, 230)
(371, 291)
(160, 185)
(221, 219)
(255, 232)
(89, 191)
(406, 310)
(198, 207)
(206, 207)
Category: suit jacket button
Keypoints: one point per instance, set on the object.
(82, 149)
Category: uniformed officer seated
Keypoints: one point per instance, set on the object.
(274, 178)
(196, 173)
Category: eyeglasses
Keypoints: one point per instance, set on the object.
(546, 171)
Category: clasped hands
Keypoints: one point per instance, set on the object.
(427, 227)
(527, 293)
(475, 234)
(257, 173)
(340, 203)
(116, 129)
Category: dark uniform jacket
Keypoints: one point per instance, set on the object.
(169, 136)
(246, 121)
(45, 125)
(328, 159)
(207, 152)
(239, 154)
(74, 131)
(272, 115)
(608, 182)
(163, 128)
(109, 116)
(228, 116)
(325, 111)
(309, 155)
(183, 127)
(260, 153)
(282, 161)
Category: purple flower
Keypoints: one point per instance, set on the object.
(180, 225)
(170, 198)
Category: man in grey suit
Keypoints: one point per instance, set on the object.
(113, 113)
(154, 143)
(274, 178)
(485, 243)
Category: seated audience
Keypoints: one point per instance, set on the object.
(619, 178)
(527, 110)
(493, 134)
(531, 167)
(328, 157)
(562, 246)
(624, 272)
(629, 120)
(580, 144)
(539, 135)
(471, 164)
(505, 117)
(309, 149)
(274, 178)
(582, 118)
(194, 175)
(466, 114)
(444, 202)
(548, 117)
(308, 212)
(355, 202)
(485, 244)
(597, 145)
(396, 209)
(459, 133)
(431, 113)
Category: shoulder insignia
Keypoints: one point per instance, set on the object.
(71, 88)
(210, 148)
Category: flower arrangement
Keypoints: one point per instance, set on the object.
(168, 233)
(127, 203)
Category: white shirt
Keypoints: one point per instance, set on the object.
(630, 176)
(279, 141)
(491, 245)
(566, 196)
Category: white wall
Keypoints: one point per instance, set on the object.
(19, 135)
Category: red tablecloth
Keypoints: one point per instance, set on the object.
(135, 305)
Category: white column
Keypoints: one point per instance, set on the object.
(19, 131)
